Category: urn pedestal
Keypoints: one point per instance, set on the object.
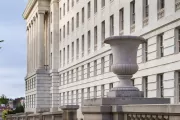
(124, 50)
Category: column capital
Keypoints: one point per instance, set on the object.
(41, 12)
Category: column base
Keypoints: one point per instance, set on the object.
(128, 91)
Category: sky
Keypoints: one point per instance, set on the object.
(13, 51)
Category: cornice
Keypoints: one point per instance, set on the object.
(28, 8)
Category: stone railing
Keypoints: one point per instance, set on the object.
(132, 112)
(38, 116)
(150, 112)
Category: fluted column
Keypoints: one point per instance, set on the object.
(27, 33)
(34, 52)
(32, 45)
(36, 41)
(30, 48)
(41, 39)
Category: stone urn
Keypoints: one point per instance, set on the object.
(124, 50)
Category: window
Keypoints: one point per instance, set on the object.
(68, 77)
(51, 38)
(111, 25)
(121, 20)
(95, 67)
(60, 58)
(89, 42)
(60, 99)
(67, 5)
(88, 93)
(68, 28)
(77, 75)
(51, 61)
(73, 24)
(60, 34)
(95, 91)
(178, 82)
(64, 57)
(77, 20)
(110, 86)
(60, 80)
(51, 18)
(68, 54)
(145, 86)
(110, 62)
(72, 97)
(72, 76)
(145, 51)
(102, 91)
(160, 85)
(102, 65)
(161, 5)
(68, 97)
(160, 46)
(82, 72)
(64, 31)
(132, 12)
(89, 9)
(95, 38)
(83, 15)
(145, 8)
(177, 40)
(72, 3)
(77, 97)
(77, 48)
(88, 70)
(60, 13)
(63, 78)
(132, 81)
(102, 3)
(95, 6)
(103, 32)
(82, 96)
(64, 9)
(72, 51)
(82, 45)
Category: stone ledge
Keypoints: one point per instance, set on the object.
(70, 107)
(125, 101)
(97, 109)
(160, 108)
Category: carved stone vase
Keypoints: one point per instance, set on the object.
(124, 50)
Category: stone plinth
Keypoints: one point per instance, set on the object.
(70, 112)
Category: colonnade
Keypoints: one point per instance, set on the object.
(35, 43)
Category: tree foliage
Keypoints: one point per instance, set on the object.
(4, 114)
(3, 100)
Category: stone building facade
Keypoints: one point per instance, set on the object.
(68, 61)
